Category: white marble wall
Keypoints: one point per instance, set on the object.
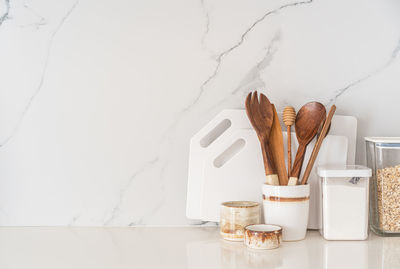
(98, 99)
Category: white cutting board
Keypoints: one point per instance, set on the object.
(240, 178)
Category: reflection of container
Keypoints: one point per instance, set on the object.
(287, 206)
(383, 156)
(235, 216)
(344, 190)
(344, 255)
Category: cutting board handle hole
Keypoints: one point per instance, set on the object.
(216, 132)
(229, 153)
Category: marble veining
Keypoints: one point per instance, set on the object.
(341, 91)
(123, 190)
(220, 56)
(41, 21)
(99, 101)
(4, 16)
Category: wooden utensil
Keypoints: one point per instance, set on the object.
(308, 120)
(320, 130)
(289, 116)
(261, 116)
(318, 144)
(277, 149)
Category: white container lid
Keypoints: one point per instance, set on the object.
(383, 139)
(344, 171)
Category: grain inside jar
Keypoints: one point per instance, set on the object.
(388, 196)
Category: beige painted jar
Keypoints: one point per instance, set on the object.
(235, 215)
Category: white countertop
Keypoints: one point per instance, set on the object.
(190, 248)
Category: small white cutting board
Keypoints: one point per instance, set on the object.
(225, 164)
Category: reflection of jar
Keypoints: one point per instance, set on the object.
(383, 253)
(231, 255)
(262, 259)
(390, 254)
(235, 216)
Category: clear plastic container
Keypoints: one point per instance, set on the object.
(383, 157)
(344, 190)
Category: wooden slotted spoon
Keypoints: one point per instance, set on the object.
(261, 115)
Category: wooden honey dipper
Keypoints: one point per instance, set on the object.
(289, 117)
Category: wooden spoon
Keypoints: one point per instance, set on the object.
(308, 121)
(317, 146)
(277, 149)
(261, 116)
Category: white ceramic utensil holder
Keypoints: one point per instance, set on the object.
(288, 207)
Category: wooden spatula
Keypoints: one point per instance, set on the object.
(277, 149)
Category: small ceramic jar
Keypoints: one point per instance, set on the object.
(236, 215)
(263, 236)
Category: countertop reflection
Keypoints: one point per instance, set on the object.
(313, 252)
(182, 247)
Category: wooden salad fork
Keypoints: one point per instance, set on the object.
(261, 115)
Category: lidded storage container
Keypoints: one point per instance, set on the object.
(344, 203)
(383, 157)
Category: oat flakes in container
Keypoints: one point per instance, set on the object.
(383, 157)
